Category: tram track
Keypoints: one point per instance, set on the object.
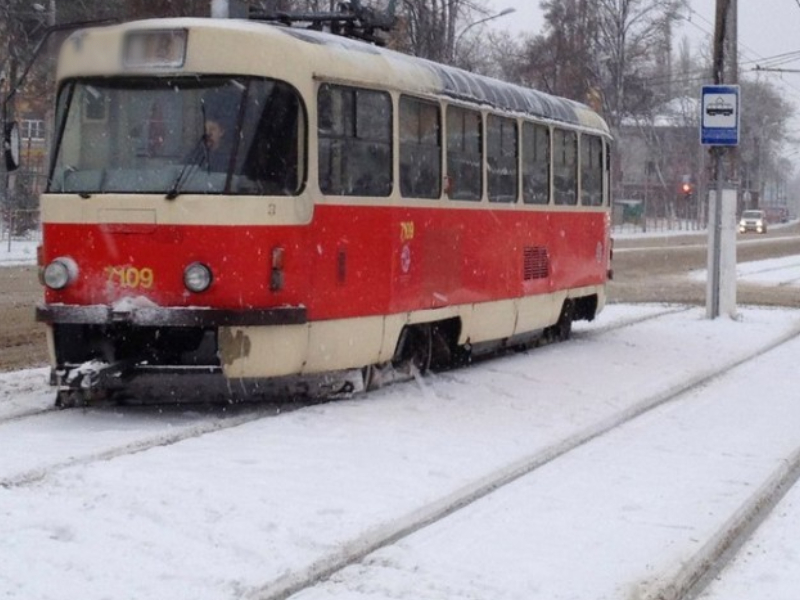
(226, 421)
(694, 576)
(703, 564)
(27, 414)
(33, 475)
(628, 322)
(390, 531)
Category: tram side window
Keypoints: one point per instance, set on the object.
(464, 154)
(355, 141)
(501, 159)
(565, 167)
(591, 170)
(272, 148)
(535, 163)
(420, 149)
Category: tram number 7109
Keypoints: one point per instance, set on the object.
(130, 277)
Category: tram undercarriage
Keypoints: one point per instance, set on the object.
(128, 363)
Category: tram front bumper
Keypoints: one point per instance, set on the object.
(100, 346)
(100, 314)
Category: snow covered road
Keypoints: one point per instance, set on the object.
(637, 513)
(249, 511)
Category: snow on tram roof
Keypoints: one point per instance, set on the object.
(464, 85)
(416, 73)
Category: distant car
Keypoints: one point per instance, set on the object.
(753, 220)
(777, 214)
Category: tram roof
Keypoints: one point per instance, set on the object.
(388, 67)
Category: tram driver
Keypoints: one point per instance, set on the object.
(218, 140)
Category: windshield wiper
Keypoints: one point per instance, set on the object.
(198, 155)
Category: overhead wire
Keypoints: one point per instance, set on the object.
(750, 57)
(702, 73)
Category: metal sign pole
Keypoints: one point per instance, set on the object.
(717, 248)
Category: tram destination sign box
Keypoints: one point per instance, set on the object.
(719, 123)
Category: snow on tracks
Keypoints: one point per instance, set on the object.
(274, 505)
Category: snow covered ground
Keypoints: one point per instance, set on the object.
(783, 271)
(18, 252)
(89, 509)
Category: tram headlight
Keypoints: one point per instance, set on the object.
(197, 277)
(60, 273)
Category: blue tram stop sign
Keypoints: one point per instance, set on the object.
(720, 115)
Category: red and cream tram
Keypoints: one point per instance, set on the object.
(361, 208)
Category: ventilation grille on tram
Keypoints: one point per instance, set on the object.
(536, 263)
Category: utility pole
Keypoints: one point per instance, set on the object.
(731, 45)
(721, 287)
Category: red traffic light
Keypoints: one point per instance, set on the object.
(686, 188)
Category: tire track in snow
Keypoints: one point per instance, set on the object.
(386, 534)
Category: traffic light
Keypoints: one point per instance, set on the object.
(687, 189)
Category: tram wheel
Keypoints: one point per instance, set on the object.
(415, 348)
(562, 330)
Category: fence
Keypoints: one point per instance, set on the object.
(657, 225)
(630, 216)
(20, 224)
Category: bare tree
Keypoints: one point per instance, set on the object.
(605, 52)
(561, 59)
(429, 27)
(631, 36)
(21, 26)
(764, 120)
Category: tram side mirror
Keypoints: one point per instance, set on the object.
(11, 146)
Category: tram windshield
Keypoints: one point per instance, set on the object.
(208, 135)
